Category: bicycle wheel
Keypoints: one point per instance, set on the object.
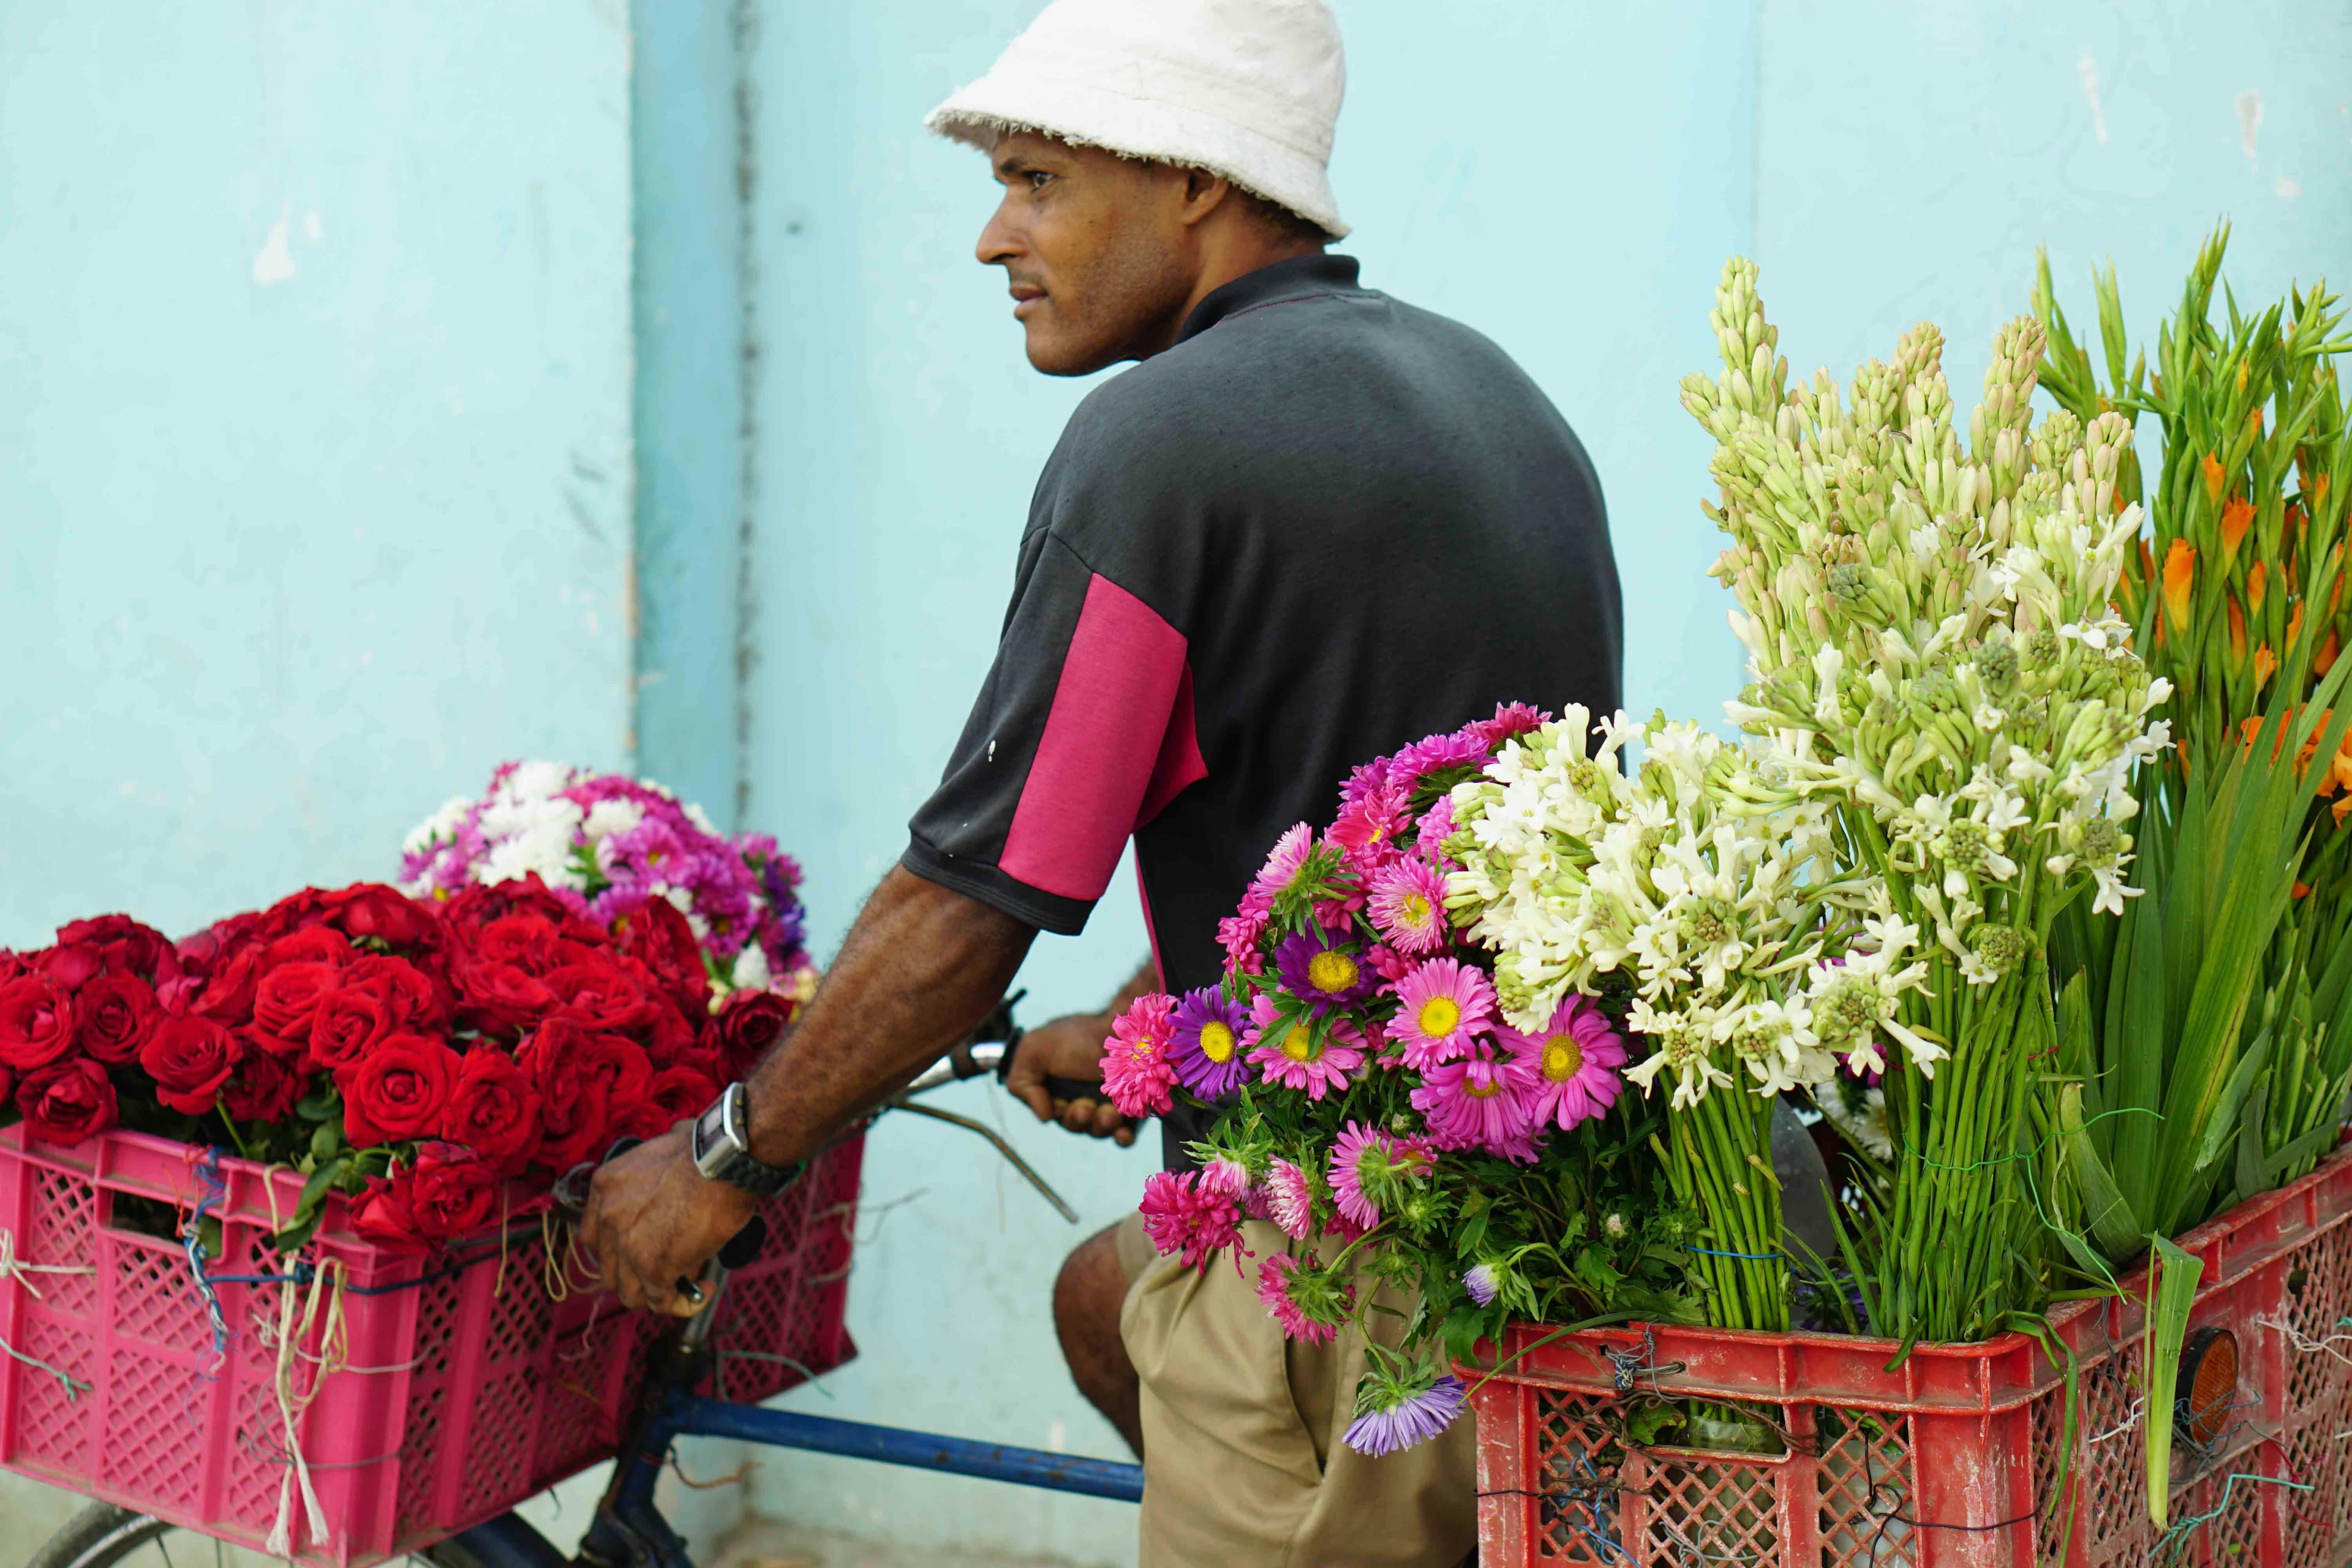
(105, 1536)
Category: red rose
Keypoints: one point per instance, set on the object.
(121, 946)
(589, 1083)
(748, 1023)
(476, 904)
(666, 1036)
(190, 1059)
(67, 1101)
(264, 1087)
(658, 936)
(397, 1091)
(294, 912)
(680, 1094)
(407, 992)
(527, 942)
(286, 998)
(227, 995)
(384, 1215)
(500, 999)
(375, 912)
(493, 1109)
(117, 1011)
(37, 1022)
(312, 944)
(603, 992)
(450, 1192)
(350, 1021)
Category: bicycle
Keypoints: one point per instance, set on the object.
(628, 1529)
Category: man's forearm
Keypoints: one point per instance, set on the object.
(920, 969)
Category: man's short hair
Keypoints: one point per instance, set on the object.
(1281, 222)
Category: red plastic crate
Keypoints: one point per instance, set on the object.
(468, 1387)
(1952, 1460)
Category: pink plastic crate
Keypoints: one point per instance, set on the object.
(1953, 1460)
(459, 1396)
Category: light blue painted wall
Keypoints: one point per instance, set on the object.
(314, 434)
(901, 433)
(1914, 156)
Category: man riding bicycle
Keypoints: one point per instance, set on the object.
(1311, 525)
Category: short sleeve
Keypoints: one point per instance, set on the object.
(1083, 726)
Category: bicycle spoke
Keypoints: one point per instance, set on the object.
(162, 1551)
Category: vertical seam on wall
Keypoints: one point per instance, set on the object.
(747, 279)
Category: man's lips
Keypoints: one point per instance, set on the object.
(1025, 298)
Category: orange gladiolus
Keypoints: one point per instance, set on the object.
(2213, 479)
(2326, 660)
(2265, 666)
(2235, 518)
(2237, 634)
(2257, 579)
(2180, 576)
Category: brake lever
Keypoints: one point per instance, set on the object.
(570, 1193)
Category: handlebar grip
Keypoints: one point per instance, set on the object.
(744, 1249)
(1059, 1087)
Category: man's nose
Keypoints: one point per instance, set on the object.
(997, 244)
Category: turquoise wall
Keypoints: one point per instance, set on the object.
(364, 369)
(314, 434)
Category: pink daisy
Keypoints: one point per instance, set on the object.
(1442, 1006)
(1239, 934)
(1368, 829)
(1574, 1059)
(1317, 1056)
(1290, 1200)
(1282, 866)
(1408, 906)
(1136, 1073)
(1277, 1276)
(1436, 827)
(1365, 1156)
(1481, 1101)
(1184, 1214)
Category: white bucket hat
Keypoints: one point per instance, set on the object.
(1245, 88)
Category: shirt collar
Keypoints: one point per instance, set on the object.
(1301, 277)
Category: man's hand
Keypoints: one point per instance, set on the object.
(1070, 1047)
(654, 1220)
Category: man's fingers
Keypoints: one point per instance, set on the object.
(1078, 1115)
(1032, 1094)
(1109, 1122)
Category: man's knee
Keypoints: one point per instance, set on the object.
(1087, 1293)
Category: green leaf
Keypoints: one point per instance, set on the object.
(2222, 1126)
(2110, 1216)
(2173, 1290)
(327, 1141)
(321, 1104)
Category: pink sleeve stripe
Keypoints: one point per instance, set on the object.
(1179, 766)
(1101, 746)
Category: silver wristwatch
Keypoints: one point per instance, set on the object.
(722, 1149)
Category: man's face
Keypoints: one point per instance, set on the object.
(1096, 250)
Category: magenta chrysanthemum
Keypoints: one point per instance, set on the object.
(1239, 934)
(1290, 1200)
(1480, 1102)
(1435, 753)
(1185, 1216)
(1436, 827)
(1136, 1073)
(1442, 1006)
(1365, 1156)
(1408, 906)
(1207, 1049)
(1316, 1057)
(1368, 830)
(1412, 1418)
(1510, 719)
(1274, 1277)
(1325, 975)
(1574, 1060)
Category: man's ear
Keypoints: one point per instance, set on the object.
(1204, 193)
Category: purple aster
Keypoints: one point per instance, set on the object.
(1207, 1053)
(1480, 1281)
(1366, 778)
(1324, 974)
(1411, 1417)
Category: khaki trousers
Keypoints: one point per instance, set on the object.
(1243, 1465)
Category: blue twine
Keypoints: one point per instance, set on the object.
(1751, 1256)
(211, 1193)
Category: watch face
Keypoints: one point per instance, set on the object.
(707, 1128)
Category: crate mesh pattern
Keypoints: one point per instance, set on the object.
(1962, 1458)
(468, 1382)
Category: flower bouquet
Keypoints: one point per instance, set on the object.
(419, 1053)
